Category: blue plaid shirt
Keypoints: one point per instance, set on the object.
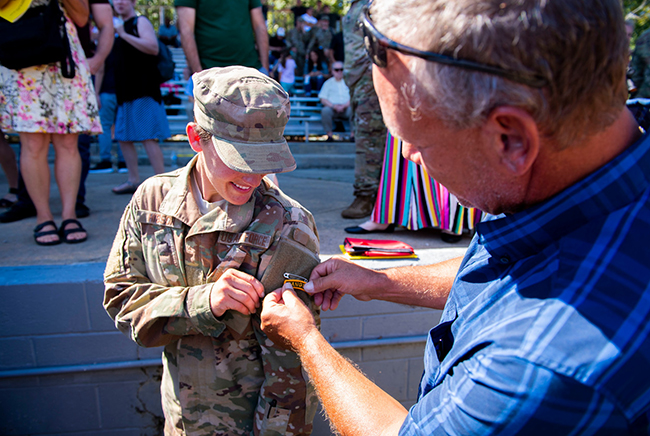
(546, 330)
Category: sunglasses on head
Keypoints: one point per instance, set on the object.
(377, 45)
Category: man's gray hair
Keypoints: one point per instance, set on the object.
(579, 46)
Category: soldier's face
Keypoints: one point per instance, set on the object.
(221, 182)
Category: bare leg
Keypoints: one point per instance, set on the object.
(36, 174)
(131, 160)
(155, 154)
(67, 171)
(9, 166)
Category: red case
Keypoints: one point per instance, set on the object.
(376, 247)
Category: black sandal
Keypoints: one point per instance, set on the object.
(8, 203)
(64, 233)
(39, 233)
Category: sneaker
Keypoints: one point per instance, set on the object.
(104, 166)
(121, 168)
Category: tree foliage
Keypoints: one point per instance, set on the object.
(637, 11)
(279, 11)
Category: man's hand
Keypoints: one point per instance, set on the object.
(336, 277)
(285, 318)
(235, 290)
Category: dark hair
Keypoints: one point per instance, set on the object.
(320, 63)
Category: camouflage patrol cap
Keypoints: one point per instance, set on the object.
(246, 112)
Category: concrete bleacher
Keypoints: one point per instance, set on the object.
(304, 120)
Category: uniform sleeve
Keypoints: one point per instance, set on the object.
(506, 395)
(252, 4)
(151, 314)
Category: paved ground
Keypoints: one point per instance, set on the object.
(325, 192)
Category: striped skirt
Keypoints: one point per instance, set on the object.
(408, 197)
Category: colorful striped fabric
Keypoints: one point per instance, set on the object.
(408, 197)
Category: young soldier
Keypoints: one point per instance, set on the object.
(196, 251)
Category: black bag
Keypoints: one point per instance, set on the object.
(37, 38)
(164, 60)
(166, 65)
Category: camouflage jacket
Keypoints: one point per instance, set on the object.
(320, 38)
(221, 375)
(640, 66)
(299, 40)
(357, 63)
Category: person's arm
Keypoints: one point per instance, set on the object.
(424, 286)
(99, 79)
(153, 314)
(146, 42)
(103, 17)
(261, 36)
(354, 404)
(186, 23)
(77, 10)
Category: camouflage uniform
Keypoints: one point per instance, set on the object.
(640, 66)
(320, 38)
(370, 131)
(299, 40)
(222, 376)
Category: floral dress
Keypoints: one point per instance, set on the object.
(40, 100)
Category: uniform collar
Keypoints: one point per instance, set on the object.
(612, 187)
(181, 204)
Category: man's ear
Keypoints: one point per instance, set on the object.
(516, 137)
(193, 137)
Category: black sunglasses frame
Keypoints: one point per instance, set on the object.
(376, 45)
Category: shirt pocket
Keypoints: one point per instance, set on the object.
(160, 241)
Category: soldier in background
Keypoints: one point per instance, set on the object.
(369, 128)
(297, 41)
(321, 37)
(196, 251)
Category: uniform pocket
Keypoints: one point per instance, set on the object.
(274, 420)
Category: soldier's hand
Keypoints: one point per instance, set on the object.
(235, 290)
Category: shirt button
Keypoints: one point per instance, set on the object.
(504, 260)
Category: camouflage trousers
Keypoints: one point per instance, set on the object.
(253, 389)
(369, 135)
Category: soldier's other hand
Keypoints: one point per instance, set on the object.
(235, 290)
(285, 318)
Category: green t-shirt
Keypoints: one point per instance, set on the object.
(224, 32)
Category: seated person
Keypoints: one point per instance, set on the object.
(335, 97)
(316, 71)
(198, 248)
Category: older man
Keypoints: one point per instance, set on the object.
(335, 98)
(544, 329)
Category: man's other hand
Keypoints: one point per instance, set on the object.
(285, 318)
(336, 277)
(235, 290)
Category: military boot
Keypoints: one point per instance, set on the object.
(361, 207)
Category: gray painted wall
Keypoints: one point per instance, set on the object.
(66, 370)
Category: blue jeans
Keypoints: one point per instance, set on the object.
(107, 115)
